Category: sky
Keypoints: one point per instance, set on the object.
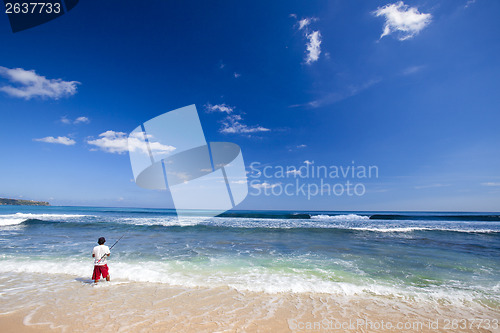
(410, 89)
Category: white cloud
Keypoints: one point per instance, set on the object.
(432, 186)
(65, 120)
(63, 140)
(81, 120)
(233, 124)
(490, 184)
(236, 75)
(294, 172)
(401, 19)
(313, 47)
(292, 148)
(469, 2)
(308, 162)
(412, 70)
(219, 108)
(304, 23)
(264, 185)
(28, 84)
(117, 142)
(337, 96)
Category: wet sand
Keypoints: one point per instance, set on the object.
(78, 306)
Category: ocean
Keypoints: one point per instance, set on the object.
(435, 258)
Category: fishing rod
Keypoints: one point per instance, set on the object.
(110, 248)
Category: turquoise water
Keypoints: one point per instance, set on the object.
(441, 257)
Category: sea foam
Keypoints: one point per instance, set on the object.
(347, 217)
(18, 218)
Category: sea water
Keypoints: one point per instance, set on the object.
(445, 258)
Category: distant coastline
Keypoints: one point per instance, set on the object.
(15, 202)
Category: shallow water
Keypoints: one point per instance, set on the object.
(449, 258)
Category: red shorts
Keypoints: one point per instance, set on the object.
(100, 270)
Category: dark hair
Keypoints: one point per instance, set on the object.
(101, 240)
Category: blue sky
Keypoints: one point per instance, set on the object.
(411, 88)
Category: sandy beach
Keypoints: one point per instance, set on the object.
(75, 305)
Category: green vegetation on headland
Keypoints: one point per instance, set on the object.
(22, 202)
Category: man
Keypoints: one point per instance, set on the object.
(100, 254)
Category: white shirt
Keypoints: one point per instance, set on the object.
(99, 251)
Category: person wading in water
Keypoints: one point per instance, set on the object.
(100, 253)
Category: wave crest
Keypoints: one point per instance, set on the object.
(18, 218)
(346, 217)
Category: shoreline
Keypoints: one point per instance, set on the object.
(72, 305)
(247, 273)
(21, 202)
